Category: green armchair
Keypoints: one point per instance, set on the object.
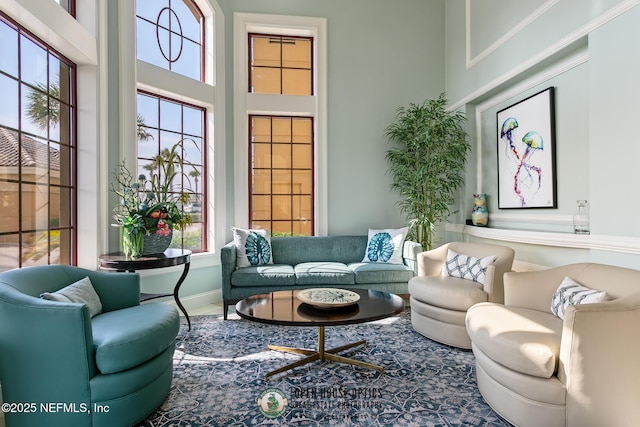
(59, 366)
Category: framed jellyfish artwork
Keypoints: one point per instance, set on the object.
(526, 153)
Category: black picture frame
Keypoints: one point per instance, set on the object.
(526, 144)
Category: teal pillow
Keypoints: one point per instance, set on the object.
(81, 292)
(385, 246)
(253, 247)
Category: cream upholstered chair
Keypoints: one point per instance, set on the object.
(536, 369)
(439, 302)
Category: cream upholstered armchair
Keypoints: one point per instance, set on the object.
(537, 369)
(452, 278)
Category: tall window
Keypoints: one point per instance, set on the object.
(281, 189)
(161, 124)
(170, 35)
(37, 151)
(282, 174)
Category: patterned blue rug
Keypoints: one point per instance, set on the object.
(219, 369)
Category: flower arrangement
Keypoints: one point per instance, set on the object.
(149, 206)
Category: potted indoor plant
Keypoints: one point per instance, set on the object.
(427, 164)
(149, 208)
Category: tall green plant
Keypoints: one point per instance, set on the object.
(427, 163)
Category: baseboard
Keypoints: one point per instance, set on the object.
(199, 300)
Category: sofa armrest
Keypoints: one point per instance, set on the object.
(410, 251)
(599, 356)
(228, 263)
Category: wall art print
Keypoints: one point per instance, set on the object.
(526, 153)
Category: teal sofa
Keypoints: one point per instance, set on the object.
(315, 261)
(60, 367)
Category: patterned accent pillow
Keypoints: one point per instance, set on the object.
(467, 267)
(571, 292)
(385, 246)
(253, 247)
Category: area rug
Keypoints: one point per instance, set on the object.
(219, 369)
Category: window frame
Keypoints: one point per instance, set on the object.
(203, 160)
(75, 38)
(21, 231)
(246, 103)
(137, 75)
(271, 168)
(201, 32)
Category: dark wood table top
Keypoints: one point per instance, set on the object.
(170, 257)
(284, 308)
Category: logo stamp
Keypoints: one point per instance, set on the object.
(272, 402)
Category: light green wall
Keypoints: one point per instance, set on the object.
(385, 54)
(381, 55)
(596, 102)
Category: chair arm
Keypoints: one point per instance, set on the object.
(430, 262)
(116, 290)
(599, 355)
(534, 289)
(228, 262)
(47, 349)
(494, 279)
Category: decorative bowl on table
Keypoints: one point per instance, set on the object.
(327, 298)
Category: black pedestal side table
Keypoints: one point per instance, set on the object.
(171, 257)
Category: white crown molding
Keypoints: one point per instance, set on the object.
(470, 62)
(545, 53)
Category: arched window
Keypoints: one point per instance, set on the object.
(169, 34)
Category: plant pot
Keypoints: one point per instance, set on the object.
(156, 243)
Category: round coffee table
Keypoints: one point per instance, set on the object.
(284, 308)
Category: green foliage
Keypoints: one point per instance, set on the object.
(152, 205)
(427, 163)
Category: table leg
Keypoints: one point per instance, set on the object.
(176, 290)
(320, 354)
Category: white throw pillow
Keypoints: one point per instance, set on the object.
(571, 292)
(466, 266)
(81, 291)
(253, 247)
(385, 246)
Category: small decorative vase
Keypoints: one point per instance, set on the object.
(480, 213)
(156, 243)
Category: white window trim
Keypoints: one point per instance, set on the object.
(136, 75)
(248, 103)
(77, 39)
